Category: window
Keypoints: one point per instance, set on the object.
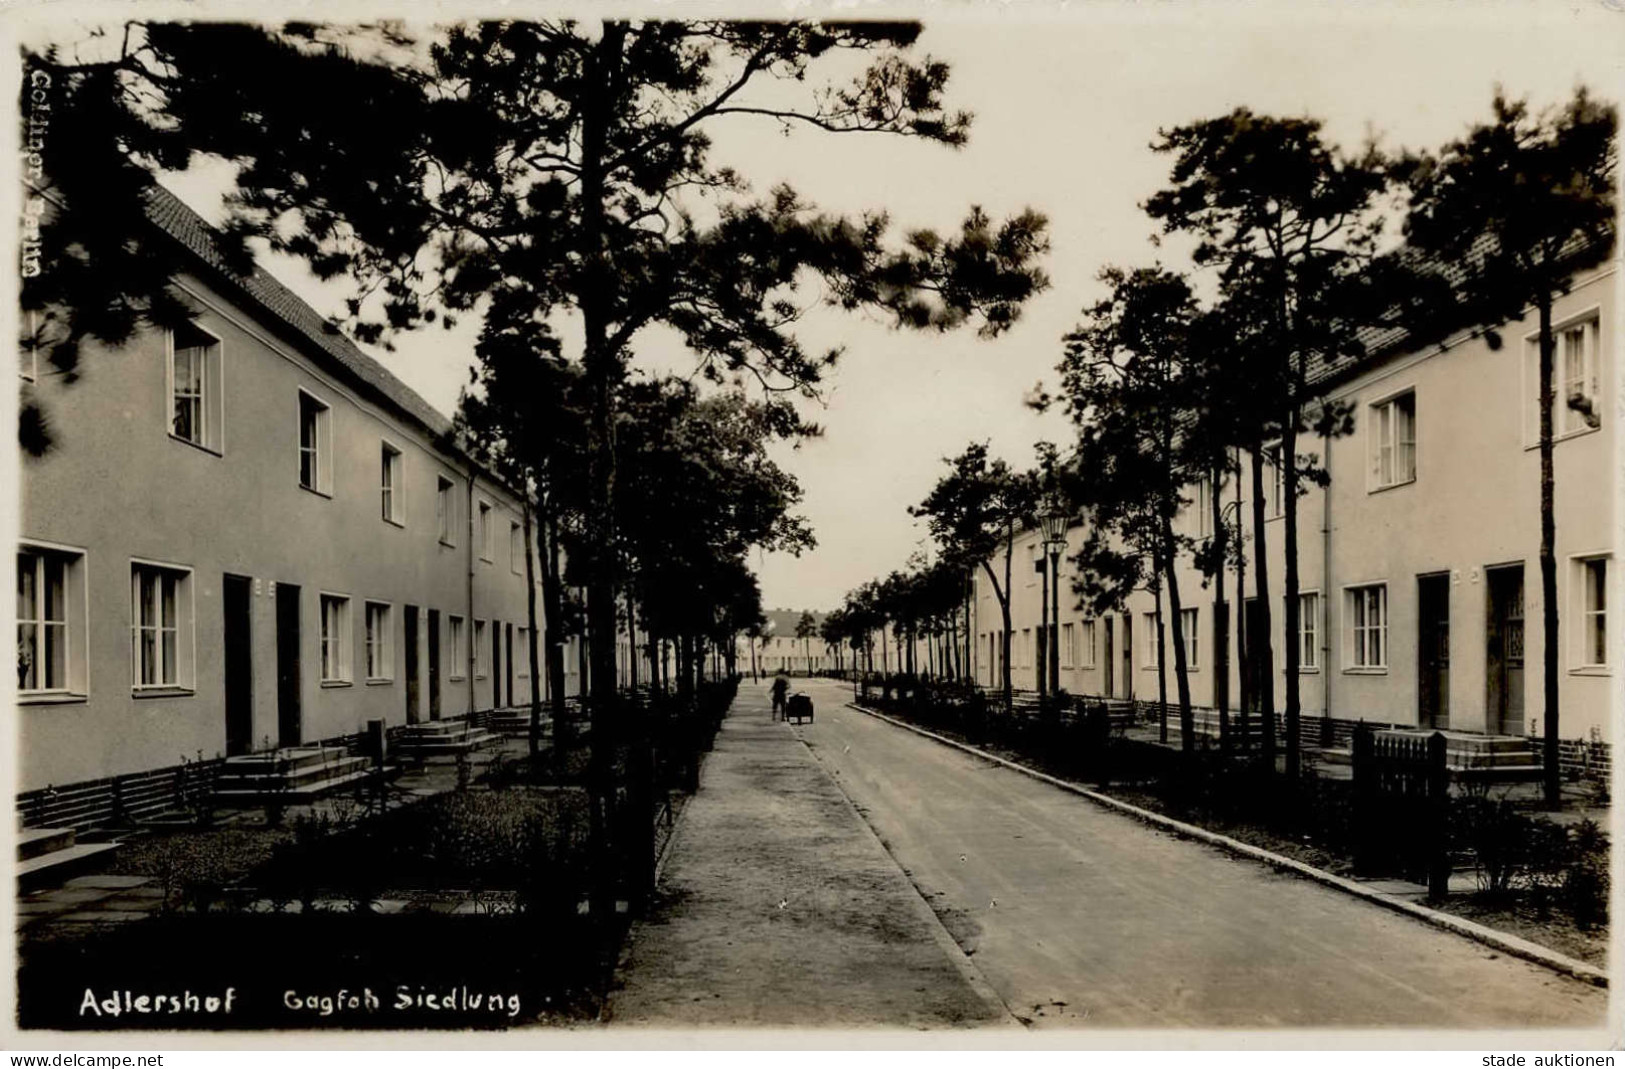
(1368, 626)
(1277, 480)
(335, 638)
(1593, 615)
(1308, 631)
(1391, 436)
(1086, 644)
(484, 531)
(1187, 628)
(389, 483)
(1203, 504)
(1148, 648)
(445, 510)
(459, 658)
(160, 626)
(523, 638)
(516, 548)
(50, 621)
(380, 650)
(1576, 399)
(194, 387)
(315, 455)
(1067, 640)
(1026, 648)
(480, 659)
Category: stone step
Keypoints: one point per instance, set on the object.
(291, 758)
(58, 865)
(304, 775)
(36, 842)
(256, 794)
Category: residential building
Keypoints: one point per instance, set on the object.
(1418, 564)
(249, 534)
(780, 650)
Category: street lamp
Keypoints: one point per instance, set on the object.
(1054, 524)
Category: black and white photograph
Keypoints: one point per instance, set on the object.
(953, 524)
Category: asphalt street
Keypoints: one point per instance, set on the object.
(1079, 916)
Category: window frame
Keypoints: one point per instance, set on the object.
(1591, 318)
(323, 448)
(1086, 644)
(379, 646)
(522, 636)
(482, 529)
(1069, 638)
(75, 623)
(1193, 639)
(339, 642)
(211, 405)
(445, 509)
(391, 465)
(1390, 402)
(1351, 645)
(1315, 619)
(1582, 642)
(456, 635)
(1148, 655)
(482, 663)
(516, 548)
(185, 629)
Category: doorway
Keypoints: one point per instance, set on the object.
(412, 688)
(1128, 657)
(1110, 664)
(288, 716)
(239, 665)
(496, 664)
(1504, 640)
(1433, 651)
(1259, 656)
(434, 664)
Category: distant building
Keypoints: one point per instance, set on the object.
(779, 650)
(250, 534)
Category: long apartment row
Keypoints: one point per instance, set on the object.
(248, 533)
(1420, 593)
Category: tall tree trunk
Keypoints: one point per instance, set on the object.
(1221, 618)
(1289, 488)
(535, 668)
(1182, 679)
(1241, 608)
(1004, 608)
(1548, 559)
(1162, 653)
(553, 616)
(1261, 646)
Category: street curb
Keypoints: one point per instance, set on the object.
(968, 969)
(1509, 944)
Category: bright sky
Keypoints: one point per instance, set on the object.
(1066, 105)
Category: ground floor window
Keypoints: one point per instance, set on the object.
(1592, 588)
(1068, 646)
(1148, 648)
(160, 626)
(1086, 644)
(479, 649)
(1368, 626)
(1308, 630)
(459, 660)
(335, 638)
(380, 652)
(50, 621)
(1187, 629)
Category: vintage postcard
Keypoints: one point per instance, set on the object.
(950, 524)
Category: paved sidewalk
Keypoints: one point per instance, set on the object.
(779, 907)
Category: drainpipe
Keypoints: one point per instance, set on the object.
(473, 633)
(1325, 585)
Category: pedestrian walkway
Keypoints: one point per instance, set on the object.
(779, 907)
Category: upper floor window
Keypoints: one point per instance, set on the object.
(315, 444)
(50, 621)
(1391, 436)
(516, 548)
(1085, 657)
(484, 531)
(445, 510)
(335, 638)
(1203, 505)
(194, 387)
(1576, 396)
(390, 484)
(160, 626)
(1368, 626)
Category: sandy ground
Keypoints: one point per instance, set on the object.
(1079, 916)
(779, 907)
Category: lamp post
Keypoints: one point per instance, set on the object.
(1041, 663)
(1054, 524)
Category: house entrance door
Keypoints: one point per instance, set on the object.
(289, 720)
(434, 664)
(413, 695)
(1109, 663)
(1504, 663)
(239, 665)
(1433, 651)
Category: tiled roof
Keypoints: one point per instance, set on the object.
(782, 622)
(183, 224)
